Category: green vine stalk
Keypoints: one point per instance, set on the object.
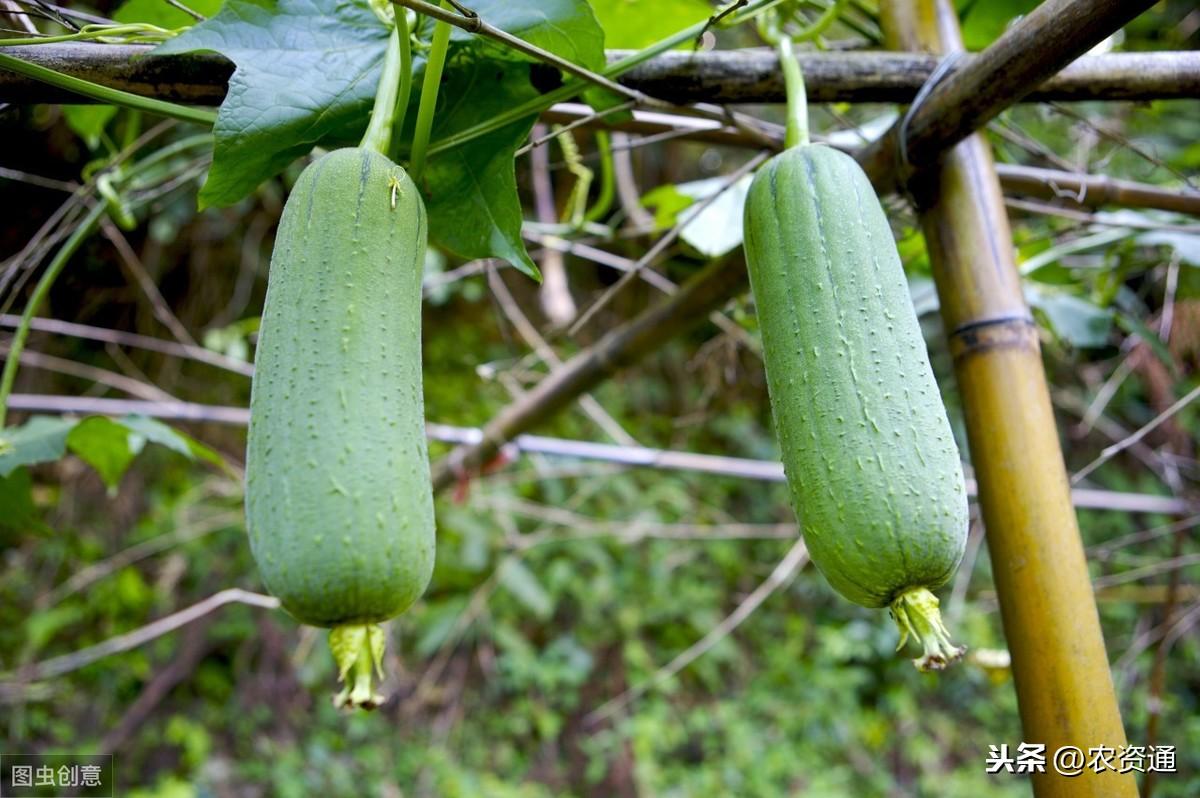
(434, 65)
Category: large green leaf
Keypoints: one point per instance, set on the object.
(162, 13)
(567, 28)
(633, 24)
(306, 76)
(154, 431)
(108, 445)
(306, 72)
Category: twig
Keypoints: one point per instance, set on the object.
(665, 241)
(587, 119)
(1103, 550)
(58, 666)
(1154, 461)
(555, 293)
(112, 379)
(162, 310)
(1095, 190)
(1046, 209)
(193, 14)
(475, 442)
(1010, 132)
(121, 338)
(634, 530)
(1112, 451)
(546, 354)
(649, 276)
(476, 24)
(627, 189)
(795, 558)
(1107, 391)
(38, 180)
(1154, 569)
(1124, 141)
(163, 680)
(135, 553)
(1163, 631)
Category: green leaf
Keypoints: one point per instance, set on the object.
(471, 191)
(155, 431)
(524, 586)
(88, 121)
(163, 14)
(716, 230)
(306, 73)
(984, 20)
(1071, 318)
(567, 28)
(1186, 245)
(105, 445)
(633, 24)
(41, 439)
(43, 625)
(668, 202)
(17, 510)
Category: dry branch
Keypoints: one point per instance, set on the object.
(66, 663)
(630, 456)
(1094, 191)
(619, 348)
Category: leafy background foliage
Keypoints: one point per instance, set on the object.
(108, 524)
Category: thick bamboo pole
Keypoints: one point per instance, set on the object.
(1060, 665)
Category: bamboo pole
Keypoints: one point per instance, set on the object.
(749, 75)
(1060, 665)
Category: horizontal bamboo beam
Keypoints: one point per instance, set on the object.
(725, 76)
(753, 76)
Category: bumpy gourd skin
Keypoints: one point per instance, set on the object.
(874, 472)
(338, 494)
